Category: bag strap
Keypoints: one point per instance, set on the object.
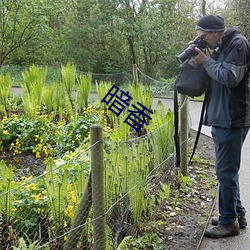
(176, 126)
(199, 127)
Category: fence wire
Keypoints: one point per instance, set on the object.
(42, 208)
(45, 209)
(159, 87)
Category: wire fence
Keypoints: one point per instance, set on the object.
(55, 210)
(42, 208)
(159, 87)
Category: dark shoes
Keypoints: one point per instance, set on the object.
(241, 219)
(221, 231)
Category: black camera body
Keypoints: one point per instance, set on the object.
(190, 51)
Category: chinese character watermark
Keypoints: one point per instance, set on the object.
(117, 103)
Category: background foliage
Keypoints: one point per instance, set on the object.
(106, 36)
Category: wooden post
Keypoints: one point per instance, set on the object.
(80, 218)
(98, 195)
(135, 74)
(184, 135)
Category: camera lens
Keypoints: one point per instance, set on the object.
(190, 50)
(187, 53)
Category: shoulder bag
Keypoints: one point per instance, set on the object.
(192, 79)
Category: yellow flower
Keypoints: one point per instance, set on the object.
(16, 152)
(37, 196)
(73, 199)
(14, 209)
(26, 178)
(69, 211)
(31, 187)
(6, 132)
(45, 151)
(38, 156)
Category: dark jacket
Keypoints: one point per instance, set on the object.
(228, 103)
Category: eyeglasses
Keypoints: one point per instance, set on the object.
(203, 36)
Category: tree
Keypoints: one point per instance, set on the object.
(21, 21)
(101, 36)
(107, 36)
(237, 12)
(95, 40)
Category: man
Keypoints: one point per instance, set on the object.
(228, 112)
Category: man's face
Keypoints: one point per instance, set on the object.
(211, 38)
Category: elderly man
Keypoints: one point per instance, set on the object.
(228, 112)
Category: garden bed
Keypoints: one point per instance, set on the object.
(178, 222)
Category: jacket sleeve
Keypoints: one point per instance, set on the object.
(230, 70)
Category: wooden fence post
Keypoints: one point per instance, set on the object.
(135, 74)
(80, 218)
(184, 135)
(98, 195)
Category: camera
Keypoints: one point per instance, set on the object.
(190, 51)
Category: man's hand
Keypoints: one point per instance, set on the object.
(200, 58)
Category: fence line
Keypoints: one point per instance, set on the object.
(114, 204)
(121, 212)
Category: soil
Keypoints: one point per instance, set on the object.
(186, 223)
(25, 164)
